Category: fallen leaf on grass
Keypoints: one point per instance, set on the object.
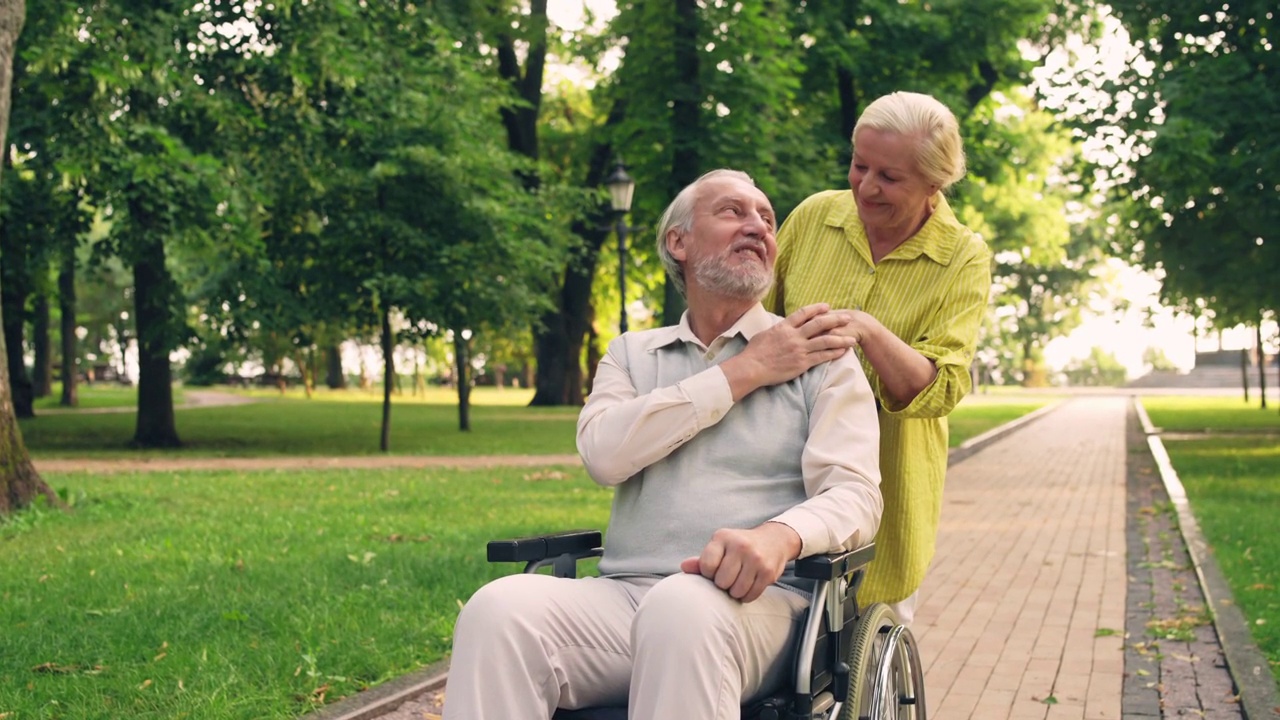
(145, 684)
(55, 669)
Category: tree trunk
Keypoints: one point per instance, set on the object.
(593, 353)
(334, 377)
(388, 378)
(686, 128)
(70, 343)
(521, 120)
(551, 337)
(42, 370)
(1244, 373)
(20, 484)
(153, 297)
(462, 358)
(1262, 366)
(551, 350)
(558, 344)
(19, 385)
(559, 335)
(305, 360)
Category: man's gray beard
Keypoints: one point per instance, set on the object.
(746, 283)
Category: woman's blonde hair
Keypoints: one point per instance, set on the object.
(940, 152)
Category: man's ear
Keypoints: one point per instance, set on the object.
(676, 244)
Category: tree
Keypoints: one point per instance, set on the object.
(1190, 151)
(1019, 199)
(137, 128)
(1100, 369)
(20, 484)
(516, 41)
(709, 85)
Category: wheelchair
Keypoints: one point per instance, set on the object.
(850, 663)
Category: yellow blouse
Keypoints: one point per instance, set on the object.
(931, 292)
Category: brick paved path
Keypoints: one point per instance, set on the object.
(1023, 612)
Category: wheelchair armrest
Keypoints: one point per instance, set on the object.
(534, 549)
(834, 565)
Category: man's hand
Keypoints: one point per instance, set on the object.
(744, 563)
(805, 338)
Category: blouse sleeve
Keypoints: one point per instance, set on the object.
(951, 338)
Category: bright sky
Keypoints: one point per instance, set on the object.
(1126, 335)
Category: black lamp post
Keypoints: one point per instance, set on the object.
(621, 186)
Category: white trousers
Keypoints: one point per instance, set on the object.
(905, 609)
(675, 647)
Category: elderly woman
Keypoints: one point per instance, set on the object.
(913, 283)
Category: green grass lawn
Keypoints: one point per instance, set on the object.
(1233, 485)
(330, 424)
(97, 395)
(213, 595)
(1220, 414)
(977, 414)
(349, 422)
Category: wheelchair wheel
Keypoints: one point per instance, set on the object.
(885, 678)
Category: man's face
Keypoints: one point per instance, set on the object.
(731, 247)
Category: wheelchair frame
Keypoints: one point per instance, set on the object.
(850, 663)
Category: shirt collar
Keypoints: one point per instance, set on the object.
(753, 321)
(940, 237)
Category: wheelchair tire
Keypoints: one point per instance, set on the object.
(885, 678)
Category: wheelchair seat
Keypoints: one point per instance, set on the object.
(850, 663)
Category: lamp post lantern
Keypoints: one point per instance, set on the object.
(621, 187)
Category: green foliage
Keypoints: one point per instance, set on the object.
(1157, 359)
(297, 168)
(1192, 151)
(1100, 369)
(169, 595)
(1019, 204)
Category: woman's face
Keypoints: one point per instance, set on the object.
(890, 190)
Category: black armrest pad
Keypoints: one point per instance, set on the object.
(830, 567)
(543, 546)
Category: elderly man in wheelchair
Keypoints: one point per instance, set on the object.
(743, 450)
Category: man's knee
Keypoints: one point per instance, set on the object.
(500, 608)
(683, 608)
